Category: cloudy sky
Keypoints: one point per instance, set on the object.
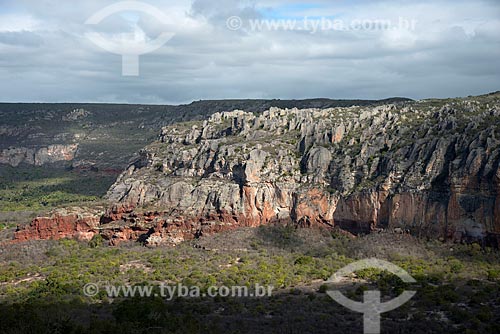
(453, 49)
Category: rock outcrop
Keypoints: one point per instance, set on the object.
(430, 167)
(109, 135)
(78, 223)
(38, 156)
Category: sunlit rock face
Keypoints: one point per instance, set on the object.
(430, 167)
(40, 156)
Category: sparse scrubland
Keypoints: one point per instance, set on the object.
(458, 286)
(38, 189)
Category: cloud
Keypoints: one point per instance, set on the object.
(15, 22)
(24, 38)
(453, 51)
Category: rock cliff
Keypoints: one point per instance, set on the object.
(430, 167)
(38, 156)
(108, 135)
(78, 223)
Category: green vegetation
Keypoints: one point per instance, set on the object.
(43, 282)
(30, 188)
(4, 226)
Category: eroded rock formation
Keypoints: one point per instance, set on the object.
(38, 156)
(430, 167)
(424, 166)
(78, 223)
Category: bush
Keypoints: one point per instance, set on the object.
(96, 241)
(455, 266)
(493, 274)
(302, 260)
(323, 288)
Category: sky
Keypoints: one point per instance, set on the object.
(216, 50)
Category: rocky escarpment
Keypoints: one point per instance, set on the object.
(431, 167)
(108, 135)
(78, 223)
(38, 156)
(81, 136)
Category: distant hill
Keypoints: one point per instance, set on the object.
(108, 135)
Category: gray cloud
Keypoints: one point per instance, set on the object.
(453, 51)
(23, 38)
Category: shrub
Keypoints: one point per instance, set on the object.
(96, 241)
(302, 260)
(493, 274)
(323, 288)
(455, 266)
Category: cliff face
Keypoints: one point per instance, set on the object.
(78, 223)
(108, 135)
(38, 156)
(431, 167)
(82, 136)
